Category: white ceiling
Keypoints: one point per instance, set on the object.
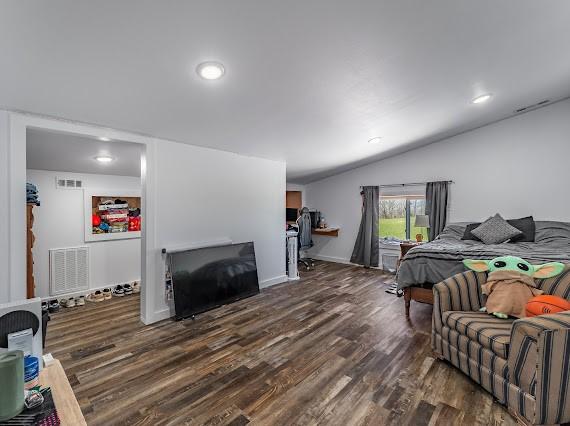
(308, 82)
(65, 152)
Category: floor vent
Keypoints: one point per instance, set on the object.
(63, 183)
(69, 270)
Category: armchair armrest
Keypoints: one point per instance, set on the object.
(461, 292)
(539, 364)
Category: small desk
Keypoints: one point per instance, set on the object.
(328, 232)
(66, 404)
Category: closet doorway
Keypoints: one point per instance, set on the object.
(84, 205)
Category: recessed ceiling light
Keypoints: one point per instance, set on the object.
(210, 70)
(104, 158)
(104, 139)
(377, 139)
(482, 98)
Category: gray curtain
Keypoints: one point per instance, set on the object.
(437, 194)
(366, 248)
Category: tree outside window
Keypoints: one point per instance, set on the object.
(398, 214)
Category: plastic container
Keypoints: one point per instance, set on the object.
(12, 380)
(31, 372)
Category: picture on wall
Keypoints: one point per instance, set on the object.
(111, 216)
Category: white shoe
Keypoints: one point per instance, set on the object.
(67, 303)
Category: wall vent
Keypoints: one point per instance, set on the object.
(69, 270)
(63, 183)
(531, 107)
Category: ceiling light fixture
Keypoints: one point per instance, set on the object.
(482, 98)
(377, 139)
(104, 158)
(210, 70)
(104, 139)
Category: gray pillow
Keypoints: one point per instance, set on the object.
(495, 230)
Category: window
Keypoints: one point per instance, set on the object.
(398, 214)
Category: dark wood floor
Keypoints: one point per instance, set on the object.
(333, 348)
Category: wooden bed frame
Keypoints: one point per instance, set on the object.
(419, 294)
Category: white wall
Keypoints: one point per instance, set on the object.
(5, 252)
(204, 195)
(59, 223)
(193, 195)
(517, 167)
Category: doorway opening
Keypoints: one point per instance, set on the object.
(84, 198)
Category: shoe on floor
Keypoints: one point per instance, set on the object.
(107, 293)
(128, 289)
(80, 300)
(67, 303)
(53, 306)
(136, 287)
(95, 297)
(119, 291)
(45, 307)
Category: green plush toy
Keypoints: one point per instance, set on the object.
(510, 283)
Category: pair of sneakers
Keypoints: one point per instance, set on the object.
(123, 290)
(99, 296)
(52, 306)
(72, 301)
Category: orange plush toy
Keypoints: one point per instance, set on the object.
(546, 304)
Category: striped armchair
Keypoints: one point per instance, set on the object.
(524, 363)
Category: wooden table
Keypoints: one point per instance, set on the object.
(65, 402)
(328, 232)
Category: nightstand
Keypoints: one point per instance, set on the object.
(405, 247)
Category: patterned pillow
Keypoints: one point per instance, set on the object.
(495, 230)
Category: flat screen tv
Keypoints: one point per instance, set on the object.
(291, 215)
(205, 278)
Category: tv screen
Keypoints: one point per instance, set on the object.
(205, 278)
(291, 215)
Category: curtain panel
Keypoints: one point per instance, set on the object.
(437, 194)
(366, 248)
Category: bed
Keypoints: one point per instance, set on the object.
(429, 263)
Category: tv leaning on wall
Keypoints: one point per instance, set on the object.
(206, 278)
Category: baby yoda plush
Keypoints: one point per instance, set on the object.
(510, 283)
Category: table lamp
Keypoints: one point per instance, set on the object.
(422, 221)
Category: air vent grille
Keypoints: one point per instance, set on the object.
(64, 183)
(531, 107)
(69, 270)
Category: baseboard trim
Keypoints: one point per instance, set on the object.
(84, 292)
(273, 281)
(339, 260)
(331, 259)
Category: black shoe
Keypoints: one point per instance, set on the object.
(53, 306)
(119, 291)
(128, 289)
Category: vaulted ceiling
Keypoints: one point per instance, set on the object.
(308, 82)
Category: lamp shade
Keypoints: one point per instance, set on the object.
(422, 221)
